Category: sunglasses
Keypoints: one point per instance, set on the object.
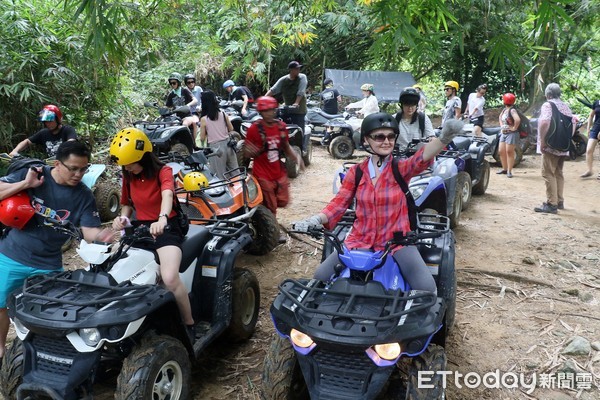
(173, 83)
(380, 138)
(75, 170)
(448, 88)
(188, 82)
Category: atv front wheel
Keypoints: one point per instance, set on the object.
(245, 298)
(265, 232)
(341, 147)
(108, 196)
(465, 188)
(484, 180)
(292, 167)
(157, 368)
(433, 359)
(282, 377)
(11, 373)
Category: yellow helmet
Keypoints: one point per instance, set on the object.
(194, 181)
(129, 146)
(452, 84)
(417, 86)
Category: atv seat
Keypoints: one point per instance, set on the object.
(462, 142)
(329, 116)
(196, 238)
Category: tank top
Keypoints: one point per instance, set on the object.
(216, 130)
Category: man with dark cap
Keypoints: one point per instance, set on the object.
(292, 88)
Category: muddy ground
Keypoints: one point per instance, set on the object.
(528, 284)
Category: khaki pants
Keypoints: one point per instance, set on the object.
(552, 172)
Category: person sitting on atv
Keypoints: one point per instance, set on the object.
(453, 103)
(181, 96)
(369, 103)
(413, 124)
(190, 83)
(381, 206)
(238, 93)
(51, 136)
(149, 189)
(31, 196)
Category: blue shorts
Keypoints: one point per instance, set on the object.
(13, 274)
(594, 134)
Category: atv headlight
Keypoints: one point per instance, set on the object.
(252, 189)
(417, 191)
(300, 339)
(90, 336)
(388, 351)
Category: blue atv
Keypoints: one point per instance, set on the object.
(345, 337)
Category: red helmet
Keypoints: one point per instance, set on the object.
(50, 113)
(16, 211)
(266, 103)
(508, 99)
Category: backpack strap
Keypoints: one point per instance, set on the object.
(263, 135)
(421, 117)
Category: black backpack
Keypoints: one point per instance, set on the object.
(524, 127)
(561, 130)
(24, 162)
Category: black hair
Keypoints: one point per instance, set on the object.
(210, 106)
(151, 166)
(73, 147)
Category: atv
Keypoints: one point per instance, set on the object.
(166, 132)
(345, 337)
(73, 327)
(237, 197)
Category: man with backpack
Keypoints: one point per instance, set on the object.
(265, 142)
(556, 125)
(413, 124)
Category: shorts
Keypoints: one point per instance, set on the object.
(477, 121)
(172, 237)
(510, 138)
(13, 274)
(594, 134)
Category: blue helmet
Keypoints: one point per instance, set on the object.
(228, 83)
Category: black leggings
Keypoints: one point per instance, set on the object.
(413, 268)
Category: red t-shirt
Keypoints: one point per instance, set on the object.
(146, 193)
(267, 164)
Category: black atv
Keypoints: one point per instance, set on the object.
(166, 132)
(74, 327)
(299, 140)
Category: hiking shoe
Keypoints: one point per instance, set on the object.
(546, 208)
(509, 175)
(561, 205)
(501, 172)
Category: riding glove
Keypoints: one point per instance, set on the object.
(451, 128)
(308, 223)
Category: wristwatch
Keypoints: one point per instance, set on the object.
(164, 215)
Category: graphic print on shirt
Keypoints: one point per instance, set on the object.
(52, 147)
(47, 212)
(273, 144)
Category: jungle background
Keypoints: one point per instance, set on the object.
(99, 60)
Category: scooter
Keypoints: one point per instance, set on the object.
(343, 338)
(73, 326)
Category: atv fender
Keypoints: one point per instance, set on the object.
(91, 176)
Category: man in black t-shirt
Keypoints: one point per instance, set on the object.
(51, 136)
(330, 97)
(238, 93)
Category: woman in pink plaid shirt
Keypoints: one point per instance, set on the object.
(381, 207)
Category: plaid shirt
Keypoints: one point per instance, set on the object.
(381, 209)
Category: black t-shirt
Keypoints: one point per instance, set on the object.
(330, 102)
(596, 108)
(239, 93)
(177, 101)
(51, 141)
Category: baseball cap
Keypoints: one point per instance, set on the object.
(294, 64)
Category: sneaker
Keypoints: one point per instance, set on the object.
(546, 208)
(191, 332)
(501, 172)
(586, 175)
(509, 175)
(282, 238)
(561, 205)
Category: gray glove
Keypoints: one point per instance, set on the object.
(451, 128)
(308, 223)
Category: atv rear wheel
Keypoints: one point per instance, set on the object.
(433, 359)
(465, 188)
(265, 232)
(11, 373)
(245, 298)
(181, 149)
(108, 200)
(292, 167)
(157, 368)
(282, 377)
(341, 147)
(307, 155)
(484, 180)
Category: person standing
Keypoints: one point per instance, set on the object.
(552, 160)
(593, 127)
(509, 136)
(412, 124)
(453, 102)
(330, 97)
(51, 136)
(190, 83)
(265, 140)
(214, 128)
(422, 98)
(30, 197)
(474, 110)
(369, 103)
(293, 90)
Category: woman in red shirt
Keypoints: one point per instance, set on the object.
(381, 207)
(148, 187)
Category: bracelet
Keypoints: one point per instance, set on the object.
(163, 215)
